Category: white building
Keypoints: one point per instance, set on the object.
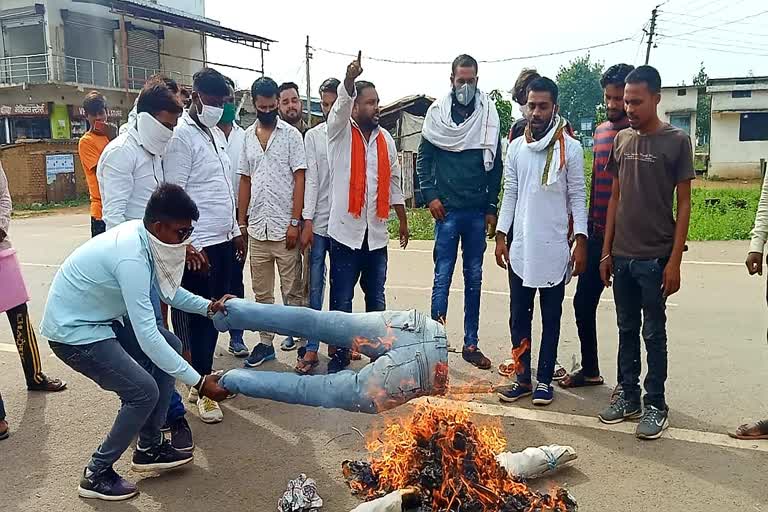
(739, 133)
(52, 52)
(678, 107)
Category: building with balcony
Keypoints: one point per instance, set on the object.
(52, 52)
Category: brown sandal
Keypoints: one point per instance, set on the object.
(758, 429)
(304, 367)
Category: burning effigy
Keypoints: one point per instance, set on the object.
(451, 463)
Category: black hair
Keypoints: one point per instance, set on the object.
(287, 86)
(330, 85)
(170, 82)
(94, 103)
(544, 84)
(463, 61)
(185, 92)
(362, 85)
(520, 89)
(647, 75)
(230, 82)
(616, 75)
(264, 87)
(157, 97)
(169, 203)
(210, 81)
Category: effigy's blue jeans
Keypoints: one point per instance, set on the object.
(409, 353)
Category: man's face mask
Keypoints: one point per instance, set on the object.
(465, 94)
(229, 114)
(268, 117)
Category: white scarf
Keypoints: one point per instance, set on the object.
(479, 131)
(169, 261)
(543, 144)
(153, 135)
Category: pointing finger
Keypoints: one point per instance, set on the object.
(359, 56)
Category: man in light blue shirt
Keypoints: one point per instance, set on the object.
(100, 321)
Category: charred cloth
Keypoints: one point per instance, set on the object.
(451, 463)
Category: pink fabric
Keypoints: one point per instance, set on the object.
(11, 281)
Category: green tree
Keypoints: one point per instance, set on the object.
(504, 108)
(703, 112)
(580, 92)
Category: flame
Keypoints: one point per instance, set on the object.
(517, 354)
(374, 347)
(450, 459)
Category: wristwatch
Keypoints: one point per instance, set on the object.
(294, 223)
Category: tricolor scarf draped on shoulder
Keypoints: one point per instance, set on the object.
(358, 174)
(554, 144)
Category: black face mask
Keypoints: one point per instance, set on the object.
(267, 118)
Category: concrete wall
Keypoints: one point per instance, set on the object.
(183, 44)
(723, 100)
(24, 165)
(196, 7)
(671, 102)
(728, 157)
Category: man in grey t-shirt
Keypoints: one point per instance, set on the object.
(644, 244)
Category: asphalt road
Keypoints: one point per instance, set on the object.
(718, 361)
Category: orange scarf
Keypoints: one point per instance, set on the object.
(357, 178)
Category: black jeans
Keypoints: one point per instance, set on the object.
(588, 292)
(640, 303)
(121, 366)
(521, 303)
(97, 227)
(197, 333)
(2, 408)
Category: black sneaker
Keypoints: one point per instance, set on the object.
(339, 361)
(260, 354)
(106, 485)
(181, 435)
(653, 424)
(473, 356)
(160, 457)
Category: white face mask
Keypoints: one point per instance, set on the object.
(210, 116)
(169, 262)
(153, 135)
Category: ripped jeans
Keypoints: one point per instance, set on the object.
(408, 350)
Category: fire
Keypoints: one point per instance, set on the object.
(517, 354)
(451, 461)
(374, 346)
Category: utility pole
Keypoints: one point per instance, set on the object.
(651, 33)
(309, 87)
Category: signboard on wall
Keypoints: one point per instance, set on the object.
(60, 177)
(24, 110)
(112, 113)
(58, 164)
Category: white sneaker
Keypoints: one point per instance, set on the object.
(193, 396)
(209, 410)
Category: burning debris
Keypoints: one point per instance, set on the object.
(451, 462)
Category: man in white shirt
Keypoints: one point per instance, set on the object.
(365, 184)
(193, 161)
(271, 197)
(230, 138)
(317, 209)
(543, 182)
(129, 171)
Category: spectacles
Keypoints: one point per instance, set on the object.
(185, 233)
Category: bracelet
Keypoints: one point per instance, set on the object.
(242, 226)
(605, 258)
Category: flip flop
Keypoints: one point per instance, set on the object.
(304, 367)
(761, 426)
(577, 380)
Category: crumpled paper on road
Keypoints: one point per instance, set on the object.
(300, 496)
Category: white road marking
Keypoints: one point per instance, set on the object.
(575, 420)
(7, 347)
(268, 425)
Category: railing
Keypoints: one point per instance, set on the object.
(65, 68)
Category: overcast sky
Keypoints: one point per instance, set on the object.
(438, 31)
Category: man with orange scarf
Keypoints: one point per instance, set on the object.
(365, 183)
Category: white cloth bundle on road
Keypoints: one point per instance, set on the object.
(535, 462)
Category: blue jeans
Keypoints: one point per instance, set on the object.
(119, 365)
(348, 266)
(2, 409)
(409, 350)
(640, 304)
(551, 302)
(321, 246)
(469, 227)
(176, 407)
